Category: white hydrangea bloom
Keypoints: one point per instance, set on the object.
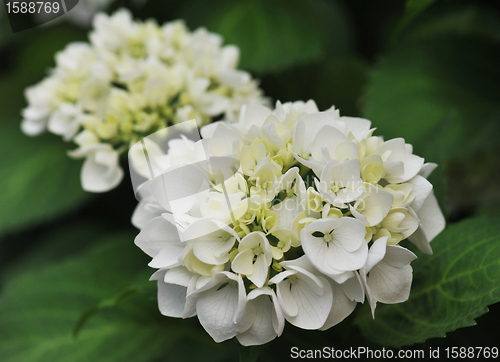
(132, 79)
(306, 227)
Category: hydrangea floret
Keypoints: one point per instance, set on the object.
(314, 217)
(132, 79)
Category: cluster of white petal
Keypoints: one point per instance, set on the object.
(132, 79)
(307, 227)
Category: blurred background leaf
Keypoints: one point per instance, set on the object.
(38, 179)
(50, 300)
(413, 9)
(274, 35)
(470, 20)
(441, 94)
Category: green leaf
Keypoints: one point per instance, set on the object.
(339, 82)
(451, 288)
(39, 181)
(45, 43)
(41, 305)
(274, 35)
(250, 354)
(423, 84)
(40, 308)
(413, 9)
(441, 95)
(103, 304)
(466, 21)
(43, 246)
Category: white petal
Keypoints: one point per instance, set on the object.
(350, 234)
(64, 121)
(168, 257)
(409, 223)
(389, 284)
(341, 259)
(369, 295)
(413, 164)
(253, 115)
(179, 275)
(431, 218)
(342, 276)
(208, 130)
(225, 142)
(158, 233)
(348, 173)
(311, 163)
(213, 252)
(393, 170)
(205, 236)
(179, 188)
(286, 299)
(253, 240)
(303, 262)
(420, 240)
(427, 169)
(392, 150)
(216, 311)
(98, 177)
(353, 289)
(347, 151)
(345, 175)
(342, 307)
(376, 253)
(332, 259)
(171, 299)
(328, 137)
(278, 278)
(260, 271)
(376, 205)
(148, 167)
(264, 316)
(313, 309)
(144, 212)
(33, 127)
(399, 165)
(359, 127)
(398, 256)
(306, 129)
(421, 190)
(323, 225)
(287, 210)
(311, 279)
(316, 250)
(243, 262)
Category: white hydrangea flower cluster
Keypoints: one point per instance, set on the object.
(131, 80)
(307, 227)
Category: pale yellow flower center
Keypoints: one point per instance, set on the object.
(336, 187)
